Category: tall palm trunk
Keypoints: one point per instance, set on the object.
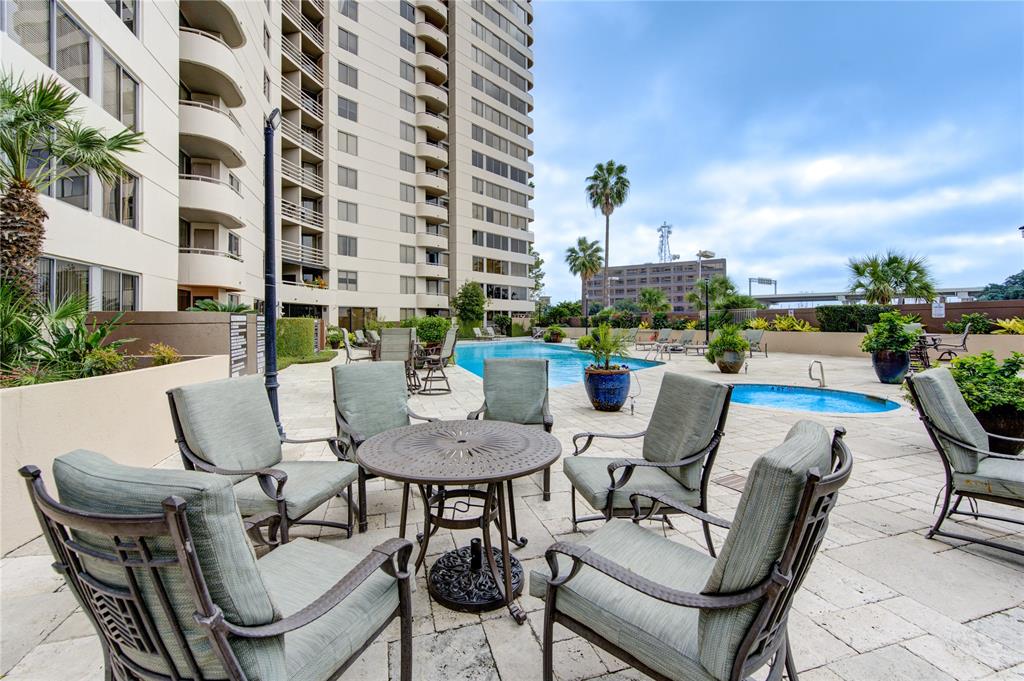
(607, 230)
(583, 301)
(21, 235)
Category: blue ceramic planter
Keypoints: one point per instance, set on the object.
(607, 390)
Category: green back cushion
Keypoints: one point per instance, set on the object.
(515, 390)
(88, 481)
(229, 422)
(683, 422)
(945, 406)
(760, 530)
(371, 396)
(395, 344)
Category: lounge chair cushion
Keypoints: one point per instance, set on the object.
(372, 397)
(589, 477)
(302, 570)
(91, 482)
(683, 422)
(229, 422)
(945, 406)
(310, 484)
(998, 477)
(515, 390)
(760, 529)
(662, 636)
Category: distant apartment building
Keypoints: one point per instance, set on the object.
(401, 156)
(676, 279)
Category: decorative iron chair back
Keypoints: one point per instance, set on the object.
(765, 636)
(396, 344)
(448, 348)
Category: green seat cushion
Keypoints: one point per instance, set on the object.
(299, 572)
(942, 402)
(310, 484)
(998, 477)
(662, 636)
(515, 390)
(589, 476)
(372, 397)
(396, 344)
(229, 422)
(88, 481)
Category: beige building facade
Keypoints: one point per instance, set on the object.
(401, 151)
(676, 279)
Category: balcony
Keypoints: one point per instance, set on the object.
(433, 183)
(214, 16)
(432, 36)
(434, 9)
(209, 65)
(216, 269)
(431, 271)
(435, 155)
(433, 66)
(307, 140)
(295, 214)
(303, 255)
(435, 95)
(312, 110)
(431, 301)
(301, 60)
(299, 21)
(297, 175)
(292, 292)
(432, 123)
(207, 199)
(209, 132)
(432, 212)
(428, 240)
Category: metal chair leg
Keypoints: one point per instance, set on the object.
(362, 500)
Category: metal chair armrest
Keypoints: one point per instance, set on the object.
(1006, 438)
(271, 480)
(659, 500)
(416, 416)
(474, 415)
(590, 439)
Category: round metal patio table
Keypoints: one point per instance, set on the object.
(442, 458)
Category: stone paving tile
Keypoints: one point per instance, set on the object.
(867, 627)
(893, 663)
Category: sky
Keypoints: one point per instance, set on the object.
(786, 137)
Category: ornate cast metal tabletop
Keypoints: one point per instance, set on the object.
(441, 458)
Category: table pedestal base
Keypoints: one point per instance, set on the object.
(461, 579)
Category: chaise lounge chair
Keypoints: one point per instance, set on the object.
(948, 351)
(350, 355)
(756, 339)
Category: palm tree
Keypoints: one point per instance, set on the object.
(883, 279)
(42, 141)
(607, 189)
(719, 287)
(653, 300)
(584, 260)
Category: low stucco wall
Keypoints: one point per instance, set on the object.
(124, 416)
(848, 344)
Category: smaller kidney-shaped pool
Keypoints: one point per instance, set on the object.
(820, 400)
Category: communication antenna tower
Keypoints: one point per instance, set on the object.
(664, 250)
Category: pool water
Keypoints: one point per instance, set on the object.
(820, 400)
(565, 364)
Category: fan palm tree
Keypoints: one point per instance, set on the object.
(42, 141)
(885, 278)
(607, 189)
(653, 300)
(719, 287)
(584, 261)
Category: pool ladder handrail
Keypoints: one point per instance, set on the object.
(810, 372)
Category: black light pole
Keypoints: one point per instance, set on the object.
(270, 265)
(707, 312)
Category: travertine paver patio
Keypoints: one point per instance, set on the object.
(881, 601)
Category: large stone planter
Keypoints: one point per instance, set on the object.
(607, 390)
(730, 362)
(890, 366)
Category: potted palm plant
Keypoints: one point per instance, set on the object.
(889, 341)
(554, 334)
(727, 350)
(607, 384)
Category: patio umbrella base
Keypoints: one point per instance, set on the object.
(461, 580)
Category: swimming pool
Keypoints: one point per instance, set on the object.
(820, 400)
(565, 364)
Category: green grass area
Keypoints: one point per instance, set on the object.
(322, 356)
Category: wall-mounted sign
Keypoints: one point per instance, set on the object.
(938, 310)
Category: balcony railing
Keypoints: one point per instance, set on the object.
(301, 253)
(437, 201)
(211, 180)
(302, 137)
(305, 62)
(319, 4)
(302, 175)
(205, 34)
(302, 214)
(308, 103)
(315, 33)
(210, 107)
(441, 260)
(437, 230)
(211, 251)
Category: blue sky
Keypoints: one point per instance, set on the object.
(785, 136)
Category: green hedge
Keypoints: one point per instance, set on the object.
(518, 330)
(322, 356)
(848, 317)
(295, 336)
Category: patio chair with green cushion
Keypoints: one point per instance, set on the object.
(676, 614)
(480, 335)
(361, 338)
(699, 345)
(489, 330)
(948, 351)
(227, 427)
(756, 339)
(972, 470)
(436, 380)
(396, 345)
(373, 336)
(679, 449)
(645, 339)
(350, 354)
(158, 561)
(370, 399)
(678, 342)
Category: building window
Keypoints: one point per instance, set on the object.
(120, 92)
(266, 84)
(407, 101)
(350, 8)
(407, 284)
(348, 211)
(407, 223)
(31, 27)
(73, 188)
(125, 10)
(234, 182)
(266, 39)
(407, 71)
(58, 280)
(348, 280)
(406, 254)
(407, 11)
(407, 192)
(348, 109)
(407, 131)
(234, 245)
(72, 51)
(348, 177)
(348, 75)
(406, 313)
(348, 144)
(348, 245)
(520, 246)
(119, 290)
(119, 201)
(406, 40)
(348, 41)
(478, 263)
(407, 162)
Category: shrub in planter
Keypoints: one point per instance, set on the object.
(979, 321)
(106, 360)
(889, 343)
(659, 320)
(518, 330)
(727, 350)
(624, 320)
(554, 334)
(335, 337)
(432, 330)
(503, 324)
(851, 318)
(163, 354)
(758, 324)
(295, 336)
(787, 323)
(585, 343)
(607, 384)
(1013, 327)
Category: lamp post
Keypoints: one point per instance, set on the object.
(270, 265)
(701, 254)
